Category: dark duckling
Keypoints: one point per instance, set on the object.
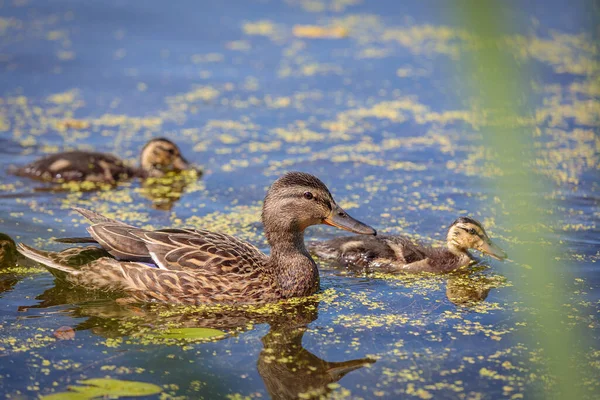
(196, 266)
(158, 156)
(8, 251)
(397, 254)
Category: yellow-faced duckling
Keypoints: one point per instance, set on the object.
(196, 266)
(158, 156)
(396, 254)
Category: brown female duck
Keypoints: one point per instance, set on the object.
(395, 254)
(196, 266)
(158, 156)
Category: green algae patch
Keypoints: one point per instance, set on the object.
(192, 333)
(106, 388)
(74, 186)
(21, 270)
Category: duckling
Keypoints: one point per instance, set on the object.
(396, 254)
(8, 251)
(196, 266)
(158, 156)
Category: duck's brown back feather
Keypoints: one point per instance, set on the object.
(357, 251)
(380, 252)
(78, 166)
(179, 249)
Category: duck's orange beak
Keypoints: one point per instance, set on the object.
(340, 219)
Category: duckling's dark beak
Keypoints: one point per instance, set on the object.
(340, 219)
(492, 249)
(181, 163)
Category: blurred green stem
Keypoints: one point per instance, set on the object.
(501, 87)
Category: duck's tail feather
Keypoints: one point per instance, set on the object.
(44, 257)
(76, 240)
(96, 218)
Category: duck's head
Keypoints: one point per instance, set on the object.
(160, 155)
(298, 200)
(466, 233)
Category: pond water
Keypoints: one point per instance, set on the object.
(363, 94)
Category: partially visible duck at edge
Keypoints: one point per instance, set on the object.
(398, 254)
(196, 266)
(158, 157)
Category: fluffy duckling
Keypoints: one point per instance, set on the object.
(196, 266)
(158, 156)
(8, 251)
(396, 254)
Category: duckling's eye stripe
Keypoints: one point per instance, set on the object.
(468, 229)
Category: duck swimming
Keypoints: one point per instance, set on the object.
(158, 156)
(397, 254)
(196, 266)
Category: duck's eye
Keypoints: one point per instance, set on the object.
(472, 231)
(308, 195)
(171, 151)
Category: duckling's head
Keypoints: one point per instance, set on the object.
(8, 251)
(466, 233)
(297, 200)
(160, 155)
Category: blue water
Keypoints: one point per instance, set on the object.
(365, 113)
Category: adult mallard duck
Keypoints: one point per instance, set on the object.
(196, 266)
(158, 156)
(396, 254)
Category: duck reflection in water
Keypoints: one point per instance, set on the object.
(307, 376)
(165, 191)
(468, 287)
(288, 370)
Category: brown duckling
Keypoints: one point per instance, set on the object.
(8, 251)
(158, 156)
(396, 254)
(196, 266)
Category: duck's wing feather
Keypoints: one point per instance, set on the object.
(357, 251)
(178, 249)
(405, 250)
(120, 241)
(368, 251)
(191, 249)
(175, 249)
(114, 236)
(77, 166)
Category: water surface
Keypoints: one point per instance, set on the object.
(376, 111)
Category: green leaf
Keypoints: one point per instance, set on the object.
(192, 333)
(114, 388)
(66, 396)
